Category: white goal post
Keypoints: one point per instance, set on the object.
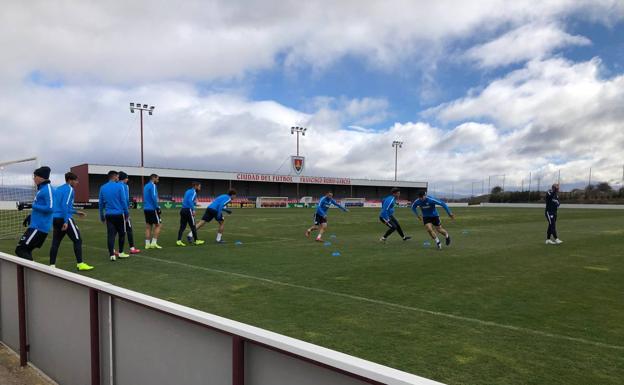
(271, 202)
(353, 202)
(17, 191)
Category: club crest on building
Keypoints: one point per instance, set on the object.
(297, 163)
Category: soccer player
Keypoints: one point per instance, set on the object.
(123, 179)
(151, 209)
(113, 212)
(552, 204)
(386, 216)
(431, 218)
(41, 216)
(320, 216)
(215, 211)
(187, 214)
(63, 223)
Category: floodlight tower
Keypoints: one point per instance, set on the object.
(150, 111)
(396, 144)
(298, 130)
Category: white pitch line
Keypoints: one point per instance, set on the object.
(394, 305)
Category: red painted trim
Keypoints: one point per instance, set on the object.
(94, 319)
(238, 360)
(81, 192)
(21, 313)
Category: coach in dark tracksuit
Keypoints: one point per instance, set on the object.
(552, 204)
(113, 211)
(41, 216)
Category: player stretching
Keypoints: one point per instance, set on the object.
(320, 217)
(187, 214)
(63, 223)
(151, 209)
(40, 220)
(552, 204)
(123, 179)
(430, 216)
(215, 211)
(386, 216)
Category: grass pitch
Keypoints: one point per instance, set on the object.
(497, 307)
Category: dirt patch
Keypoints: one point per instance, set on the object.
(12, 374)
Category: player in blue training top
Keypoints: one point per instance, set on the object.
(113, 212)
(215, 211)
(187, 214)
(40, 220)
(123, 179)
(430, 216)
(320, 216)
(63, 223)
(151, 209)
(386, 216)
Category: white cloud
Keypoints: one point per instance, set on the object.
(524, 43)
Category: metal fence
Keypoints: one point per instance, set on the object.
(81, 331)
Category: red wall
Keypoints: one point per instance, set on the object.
(82, 190)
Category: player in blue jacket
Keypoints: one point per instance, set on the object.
(187, 214)
(320, 216)
(123, 180)
(151, 209)
(41, 216)
(63, 223)
(431, 218)
(386, 216)
(215, 211)
(113, 211)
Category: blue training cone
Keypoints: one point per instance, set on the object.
(336, 254)
(333, 236)
(327, 244)
(426, 244)
(238, 243)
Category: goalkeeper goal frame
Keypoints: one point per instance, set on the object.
(14, 197)
(279, 202)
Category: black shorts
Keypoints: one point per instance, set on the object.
(211, 214)
(433, 220)
(32, 239)
(152, 217)
(319, 219)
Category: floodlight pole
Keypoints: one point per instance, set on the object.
(298, 130)
(150, 111)
(396, 144)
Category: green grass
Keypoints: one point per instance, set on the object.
(498, 307)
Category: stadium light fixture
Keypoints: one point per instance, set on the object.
(150, 111)
(396, 144)
(298, 130)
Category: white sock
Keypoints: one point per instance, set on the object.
(154, 241)
(447, 235)
(437, 240)
(219, 235)
(318, 236)
(190, 234)
(147, 243)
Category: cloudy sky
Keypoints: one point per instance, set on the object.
(473, 89)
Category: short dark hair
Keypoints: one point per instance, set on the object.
(232, 192)
(395, 190)
(421, 193)
(70, 176)
(112, 173)
(195, 183)
(153, 176)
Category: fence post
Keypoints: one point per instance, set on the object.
(94, 318)
(238, 360)
(21, 314)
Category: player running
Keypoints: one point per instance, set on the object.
(40, 220)
(320, 216)
(187, 214)
(552, 204)
(123, 179)
(151, 209)
(63, 223)
(431, 218)
(386, 216)
(113, 212)
(215, 211)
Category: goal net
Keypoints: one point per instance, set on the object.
(267, 202)
(17, 191)
(353, 202)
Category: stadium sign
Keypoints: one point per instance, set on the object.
(297, 163)
(292, 179)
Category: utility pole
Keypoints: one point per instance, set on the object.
(503, 182)
(589, 185)
(396, 144)
(298, 130)
(150, 111)
(529, 187)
